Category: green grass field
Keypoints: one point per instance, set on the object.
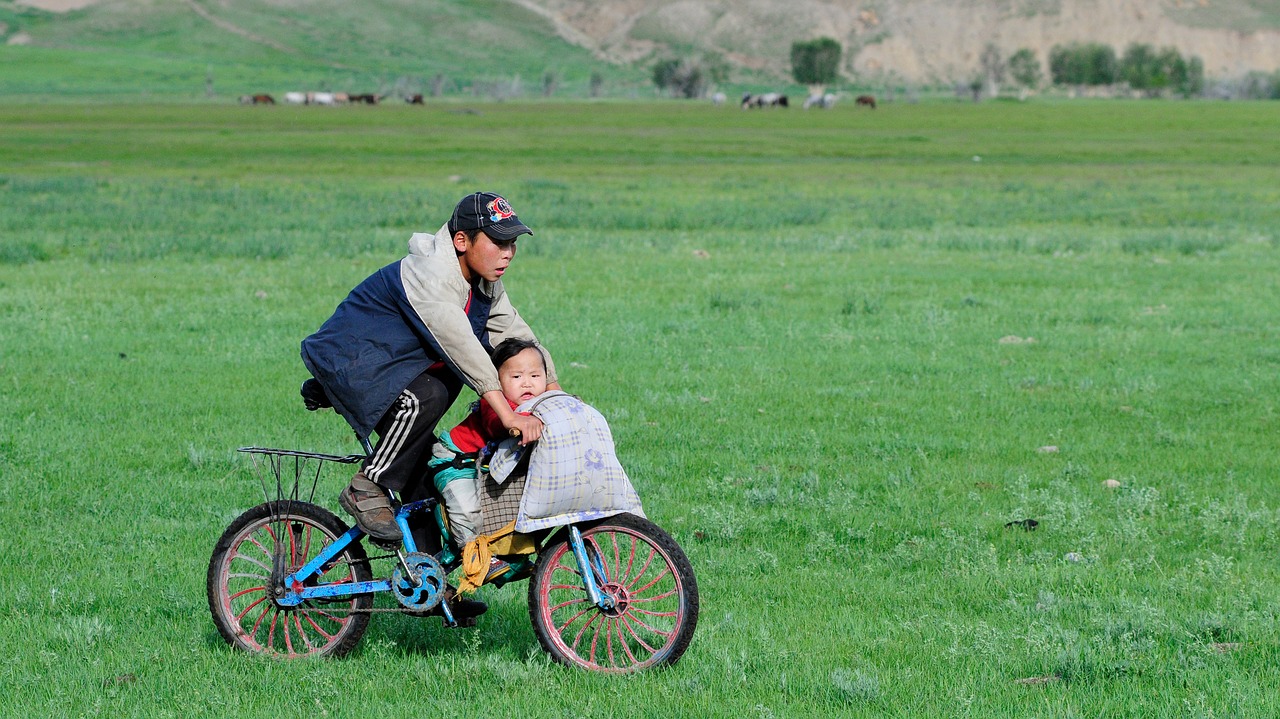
(835, 349)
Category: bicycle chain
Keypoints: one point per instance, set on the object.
(325, 606)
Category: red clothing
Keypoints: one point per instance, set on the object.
(479, 428)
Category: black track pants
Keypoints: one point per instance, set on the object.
(407, 431)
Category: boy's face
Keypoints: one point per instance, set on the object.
(482, 256)
(524, 376)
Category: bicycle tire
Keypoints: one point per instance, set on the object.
(649, 577)
(250, 556)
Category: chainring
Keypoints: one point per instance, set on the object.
(424, 594)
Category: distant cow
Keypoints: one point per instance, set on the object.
(718, 99)
(415, 99)
(865, 100)
(320, 98)
(341, 98)
(257, 100)
(366, 98)
(295, 98)
(769, 99)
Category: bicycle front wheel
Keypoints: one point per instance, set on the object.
(654, 591)
(255, 553)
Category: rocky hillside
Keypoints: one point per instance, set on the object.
(918, 40)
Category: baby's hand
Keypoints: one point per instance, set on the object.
(527, 427)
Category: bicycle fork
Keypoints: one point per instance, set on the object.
(592, 568)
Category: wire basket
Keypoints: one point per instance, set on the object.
(289, 472)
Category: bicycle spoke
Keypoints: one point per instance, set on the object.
(578, 637)
(271, 631)
(563, 627)
(564, 604)
(631, 562)
(314, 625)
(659, 632)
(244, 575)
(243, 592)
(595, 637)
(664, 595)
(261, 615)
(253, 604)
(284, 629)
(641, 642)
(641, 590)
(608, 641)
(649, 613)
(626, 646)
(254, 562)
(617, 553)
(643, 570)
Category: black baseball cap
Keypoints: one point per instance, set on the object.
(488, 212)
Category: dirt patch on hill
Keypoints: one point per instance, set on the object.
(914, 40)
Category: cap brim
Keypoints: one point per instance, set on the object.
(506, 231)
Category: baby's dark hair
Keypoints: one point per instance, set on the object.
(511, 347)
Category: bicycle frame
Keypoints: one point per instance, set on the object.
(295, 591)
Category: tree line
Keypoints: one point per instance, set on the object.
(1141, 67)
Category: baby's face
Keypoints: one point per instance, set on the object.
(524, 376)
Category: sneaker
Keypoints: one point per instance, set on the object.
(371, 507)
(497, 568)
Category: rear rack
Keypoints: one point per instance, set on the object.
(291, 476)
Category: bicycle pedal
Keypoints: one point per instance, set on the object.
(462, 623)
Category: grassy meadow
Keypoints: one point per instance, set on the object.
(844, 354)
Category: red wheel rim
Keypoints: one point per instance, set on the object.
(245, 578)
(648, 613)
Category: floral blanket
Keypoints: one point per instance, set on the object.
(573, 471)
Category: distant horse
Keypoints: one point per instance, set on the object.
(295, 98)
(415, 99)
(320, 98)
(366, 98)
(718, 99)
(823, 102)
(865, 100)
(341, 98)
(257, 100)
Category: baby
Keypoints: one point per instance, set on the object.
(522, 371)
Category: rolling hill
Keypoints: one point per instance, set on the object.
(501, 48)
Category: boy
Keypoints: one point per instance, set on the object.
(522, 372)
(395, 353)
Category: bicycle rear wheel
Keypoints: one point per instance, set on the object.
(653, 587)
(253, 556)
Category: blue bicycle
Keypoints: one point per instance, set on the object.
(290, 579)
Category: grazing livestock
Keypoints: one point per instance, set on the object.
(718, 99)
(415, 99)
(366, 98)
(769, 99)
(824, 102)
(295, 98)
(320, 98)
(865, 100)
(341, 98)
